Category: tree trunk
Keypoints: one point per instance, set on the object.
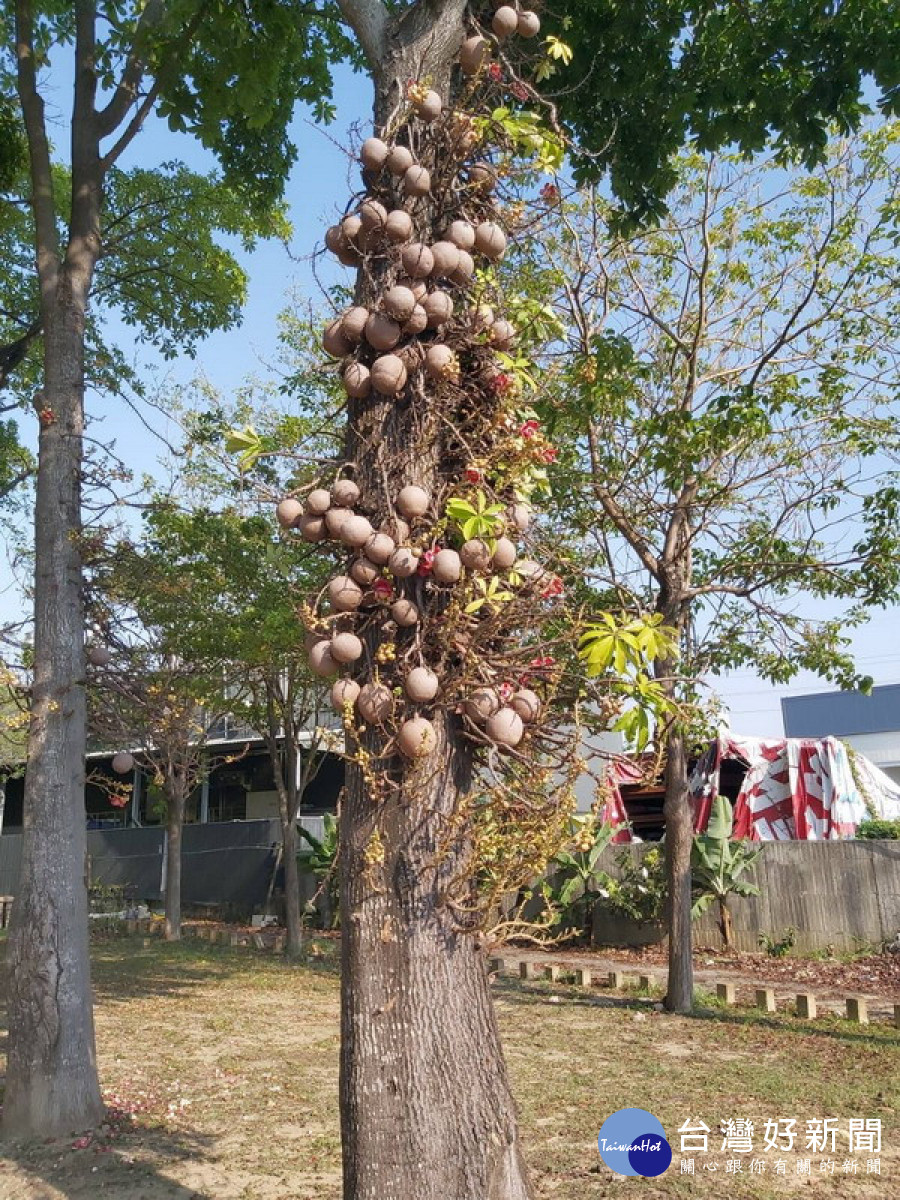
(679, 839)
(52, 1085)
(175, 803)
(426, 1108)
(725, 924)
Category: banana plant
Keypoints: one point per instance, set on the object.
(575, 883)
(719, 865)
(321, 859)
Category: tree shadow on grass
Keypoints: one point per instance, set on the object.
(523, 994)
(123, 1169)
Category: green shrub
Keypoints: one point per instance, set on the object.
(877, 829)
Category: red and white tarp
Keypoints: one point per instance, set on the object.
(795, 789)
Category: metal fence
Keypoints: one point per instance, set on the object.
(229, 863)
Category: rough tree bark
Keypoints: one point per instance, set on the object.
(52, 1084)
(426, 1108)
(176, 798)
(679, 838)
(674, 574)
(284, 768)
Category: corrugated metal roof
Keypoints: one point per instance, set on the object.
(842, 713)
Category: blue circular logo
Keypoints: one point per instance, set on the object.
(633, 1142)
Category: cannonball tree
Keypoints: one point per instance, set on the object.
(445, 625)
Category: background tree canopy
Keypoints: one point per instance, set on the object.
(649, 76)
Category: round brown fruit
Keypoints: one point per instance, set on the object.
(481, 705)
(123, 762)
(346, 647)
(398, 227)
(473, 54)
(334, 520)
(345, 493)
(503, 334)
(505, 727)
(344, 691)
(403, 563)
(490, 240)
(417, 259)
(466, 268)
(364, 572)
(475, 555)
(379, 548)
(357, 381)
(399, 160)
(345, 595)
(373, 154)
(504, 553)
(312, 529)
(482, 177)
(527, 704)
(381, 332)
(417, 738)
(529, 24)
(446, 259)
(438, 308)
(521, 517)
(353, 324)
(318, 502)
(505, 22)
(441, 363)
(421, 685)
(375, 703)
(461, 234)
(334, 341)
(373, 216)
(388, 375)
(398, 302)
(321, 661)
(413, 501)
(355, 532)
(288, 512)
(404, 612)
(417, 322)
(447, 566)
(429, 107)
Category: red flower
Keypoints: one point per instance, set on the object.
(529, 429)
(506, 690)
(550, 454)
(383, 589)
(496, 72)
(550, 193)
(541, 664)
(427, 561)
(553, 588)
(474, 475)
(519, 90)
(501, 382)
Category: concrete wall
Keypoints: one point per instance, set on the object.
(839, 894)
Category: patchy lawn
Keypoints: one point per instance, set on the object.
(220, 1066)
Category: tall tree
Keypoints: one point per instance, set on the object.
(236, 589)
(405, 959)
(728, 390)
(229, 74)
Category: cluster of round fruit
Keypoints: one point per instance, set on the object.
(407, 307)
(382, 560)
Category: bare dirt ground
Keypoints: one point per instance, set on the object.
(220, 1069)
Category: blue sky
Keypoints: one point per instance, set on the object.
(316, 191)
